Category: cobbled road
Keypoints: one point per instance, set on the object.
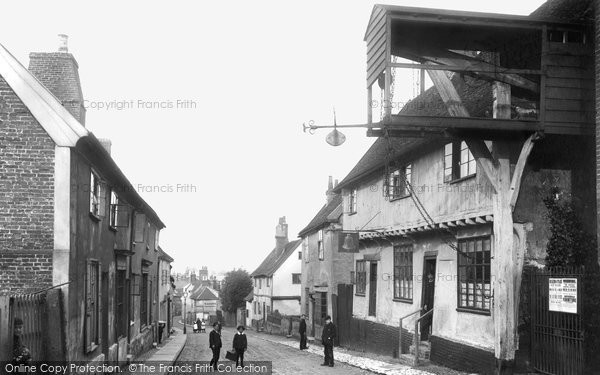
(286, 360)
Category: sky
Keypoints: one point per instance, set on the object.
(204, 103)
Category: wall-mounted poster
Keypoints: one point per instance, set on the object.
(562, 295)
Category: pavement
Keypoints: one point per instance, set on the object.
(162, 357)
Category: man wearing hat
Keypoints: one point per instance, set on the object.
(240, 344)
(21, 354)
(215, 344)
(302, 331)
(327, 338)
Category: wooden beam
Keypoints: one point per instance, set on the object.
(485, 161)
(440, 123)
(515, 183)
(462, 68)
(448, 93)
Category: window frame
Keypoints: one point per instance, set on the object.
(353, 201)
(397, 187)
(478, 268)
(113, 210)
(121, 292)
(321, 244)
(361, 278)
(296, 278)
(403, 271)
(97, 199)
(456, 155)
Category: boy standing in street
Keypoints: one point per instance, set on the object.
(240, 344)
(327, 338)
(214, 340)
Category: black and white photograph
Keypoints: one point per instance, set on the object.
(392, 187)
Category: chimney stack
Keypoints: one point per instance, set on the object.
(59, 73)
(106, 143)
(281, 234)
(330, 186)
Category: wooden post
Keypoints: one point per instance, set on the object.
(370, 105)
(6, 335)
(504, 251)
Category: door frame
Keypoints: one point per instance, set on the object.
(373, 287)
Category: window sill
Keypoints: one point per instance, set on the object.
(352, 213)
(95, 217)
(360, 294)
(403, 300)
(473, 311)
(113, 228)
(398, 198)
(461, 179)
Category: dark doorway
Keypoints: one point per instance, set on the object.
(373, 289)
(428, 296)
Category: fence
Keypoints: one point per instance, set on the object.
(32, 309)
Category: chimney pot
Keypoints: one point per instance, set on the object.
(63, 43)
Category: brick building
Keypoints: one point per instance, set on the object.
(69, 218)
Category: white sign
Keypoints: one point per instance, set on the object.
(562, 295)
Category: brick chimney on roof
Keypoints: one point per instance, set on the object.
(59, 72)
(330, 186)
(281, 234)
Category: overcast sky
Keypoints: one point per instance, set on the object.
(248, 74)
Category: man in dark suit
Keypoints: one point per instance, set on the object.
(302, 331)
(327, 338)
(240, 344)
(214, 341)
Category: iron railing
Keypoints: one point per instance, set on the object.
(400, 351)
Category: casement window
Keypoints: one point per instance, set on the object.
(361, 277)
(268, 281)
(352, 201)
(113, 215)
(300, 255)
(474, 274)
(296, 278)
(398, 182)
(139, 226)
(144, 300)
(458, 161)
(403, 272)
(305, 250)
(92, 306)
(260, 283)
(97, 199)
(321, 245)
(121, 298)
(156, 237)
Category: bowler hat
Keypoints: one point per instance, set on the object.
(242, 327)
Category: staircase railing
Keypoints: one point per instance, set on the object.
(400, 335)
(417, 339)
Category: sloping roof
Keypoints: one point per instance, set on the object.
(163, 255)
(204, 293)
(566, 10)
(249, 297)
(275, 259)
(64, 129)
(322, 217)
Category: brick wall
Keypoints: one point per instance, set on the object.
(461, 357)
(26, 198)
(59, 72)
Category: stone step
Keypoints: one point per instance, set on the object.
(424, 350)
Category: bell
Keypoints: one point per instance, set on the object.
(335, 138)
(348, 243)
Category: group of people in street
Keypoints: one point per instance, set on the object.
(240, 344)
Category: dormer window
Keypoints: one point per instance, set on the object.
(398, 182)
(458, 161)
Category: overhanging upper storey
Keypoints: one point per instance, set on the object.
(439, 71)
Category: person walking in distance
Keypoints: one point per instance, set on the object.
(240, 344)
(214, 340)
(327, 338)
(302, 331)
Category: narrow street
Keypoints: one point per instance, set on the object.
(286, 360)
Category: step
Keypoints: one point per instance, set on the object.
(424, 350)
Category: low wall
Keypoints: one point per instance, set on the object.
(142, 342)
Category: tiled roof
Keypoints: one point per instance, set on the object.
(322, 217)
(204, 293)
(275, 259)
(566, 10)
(249, 297)
(163, 255)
